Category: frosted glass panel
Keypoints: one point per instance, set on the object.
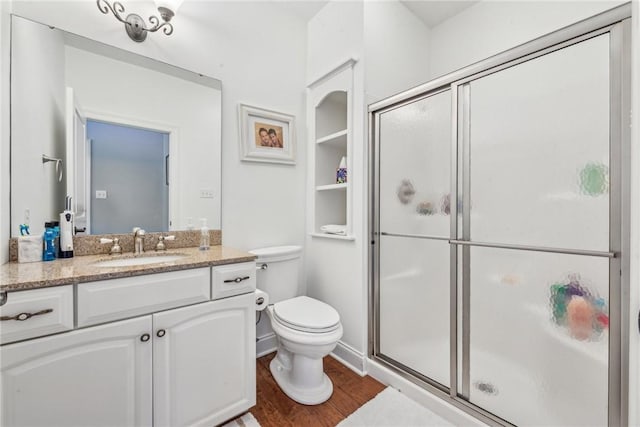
(414, 304)
(539, 337)
(540, 150)
(415, 170)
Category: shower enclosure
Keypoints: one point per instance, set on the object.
(499, 251)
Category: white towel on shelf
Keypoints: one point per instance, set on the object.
(334, 229)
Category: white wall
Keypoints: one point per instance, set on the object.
(490, 27)
(396, 45)
(258, 51)
(334, 269)
(5, 231)
(391, 46)
(37, 124)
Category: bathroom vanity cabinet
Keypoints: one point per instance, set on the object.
(143, 361)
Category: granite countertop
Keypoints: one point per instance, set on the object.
(21, 276)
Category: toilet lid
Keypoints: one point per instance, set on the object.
(307, 315)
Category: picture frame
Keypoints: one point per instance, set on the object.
(266, 136)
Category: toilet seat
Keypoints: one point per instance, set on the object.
(306, 314)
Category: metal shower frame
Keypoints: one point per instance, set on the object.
(615, 22)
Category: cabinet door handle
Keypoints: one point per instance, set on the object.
(161, 333)
(237, 279)
(145, 337)
(24, 316)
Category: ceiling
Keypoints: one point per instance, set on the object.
(433, 13)
(305, 9)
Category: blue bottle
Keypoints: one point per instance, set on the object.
(56, 237)
(49, 250)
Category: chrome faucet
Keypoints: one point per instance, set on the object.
(138, 240)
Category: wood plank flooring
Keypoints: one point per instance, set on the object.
(275, 409)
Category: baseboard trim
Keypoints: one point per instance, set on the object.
(423, 397)
(350, 357)
(343, 353)
(266, 344)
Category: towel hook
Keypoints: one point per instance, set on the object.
(47, 159)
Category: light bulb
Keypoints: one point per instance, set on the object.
(168, 8)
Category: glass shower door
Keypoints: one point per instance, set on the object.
(414, 189)
(536, 263)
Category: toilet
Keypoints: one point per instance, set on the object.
(306, 329)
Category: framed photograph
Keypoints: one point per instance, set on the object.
(266, 136)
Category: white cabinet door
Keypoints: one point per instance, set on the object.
(204, 362)
(93, 377)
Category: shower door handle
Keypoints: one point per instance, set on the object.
(533, 248)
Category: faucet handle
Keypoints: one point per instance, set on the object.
(115, 249)
(161, 246)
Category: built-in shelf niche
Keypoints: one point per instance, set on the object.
(331, 208)
(330, 107)
(331, 117)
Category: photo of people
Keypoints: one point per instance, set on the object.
(268, 135)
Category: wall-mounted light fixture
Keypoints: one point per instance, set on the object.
(135, 25)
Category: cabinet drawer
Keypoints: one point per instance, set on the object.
(233, 279)
(26, 313)
(109, 300)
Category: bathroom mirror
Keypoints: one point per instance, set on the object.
(134, 141)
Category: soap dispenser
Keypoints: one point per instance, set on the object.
(204, 235)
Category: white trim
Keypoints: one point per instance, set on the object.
(341, 186)
(334, 236)
(350, 357)
(420, 395)
(174, 157)
(266, 344)
(634, 256)
(349, 63)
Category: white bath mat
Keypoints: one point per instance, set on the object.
(247, 420)
(390, 408)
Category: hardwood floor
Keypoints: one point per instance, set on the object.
(274, 408)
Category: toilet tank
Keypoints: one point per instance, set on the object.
(281, 276)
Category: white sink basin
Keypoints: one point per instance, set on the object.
(143, 260)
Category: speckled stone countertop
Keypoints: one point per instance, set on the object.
(21, 276)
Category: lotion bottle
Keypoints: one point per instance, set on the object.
(204, 235)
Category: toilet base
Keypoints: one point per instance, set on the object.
(312, 395)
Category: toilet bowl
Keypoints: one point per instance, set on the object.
(306, 329)
(297, 367)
